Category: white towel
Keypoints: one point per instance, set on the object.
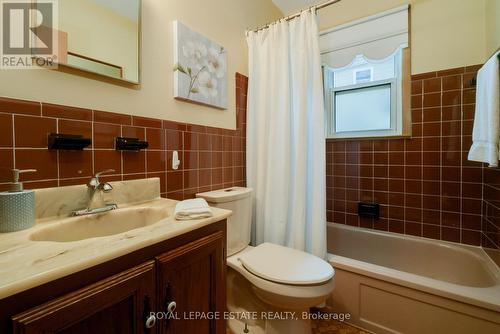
(486, 134)
(192, 209)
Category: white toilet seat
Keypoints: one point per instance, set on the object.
(285, 265)
(289, 290)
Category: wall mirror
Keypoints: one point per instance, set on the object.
(101, 37)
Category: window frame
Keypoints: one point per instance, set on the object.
(402, 79)
(391, 27)
(394, 119)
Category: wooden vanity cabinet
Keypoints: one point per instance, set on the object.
(117, 304)
(189, 271)
(192, 279)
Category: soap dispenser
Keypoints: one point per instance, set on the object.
(17, 206)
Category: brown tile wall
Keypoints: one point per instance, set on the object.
(212, 158)
(491, 208)
(425, 185)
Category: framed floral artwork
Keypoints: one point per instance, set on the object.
(200, 70)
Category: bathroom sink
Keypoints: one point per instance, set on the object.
(100, 225)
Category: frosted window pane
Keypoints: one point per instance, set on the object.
(363, 109)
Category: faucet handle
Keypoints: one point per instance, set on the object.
(94, 182)
(107, 171)
(106, 187)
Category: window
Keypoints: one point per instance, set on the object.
(364, 102)
(351, 112)
(365, 65)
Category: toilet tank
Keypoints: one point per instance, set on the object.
(238, 200)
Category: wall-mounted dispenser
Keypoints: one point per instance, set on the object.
(59, 141)
(130, 144)
(175, 160)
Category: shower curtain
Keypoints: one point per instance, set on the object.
(285, 135)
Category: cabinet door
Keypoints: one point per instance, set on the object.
(119, 304)
(194, 277)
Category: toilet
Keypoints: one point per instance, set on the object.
(270, 288)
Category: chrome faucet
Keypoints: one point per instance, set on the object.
(95, 186)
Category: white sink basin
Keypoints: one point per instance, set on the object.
(100, 225)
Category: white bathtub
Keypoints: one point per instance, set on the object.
(391, 283)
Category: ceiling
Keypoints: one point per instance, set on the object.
(292, 6)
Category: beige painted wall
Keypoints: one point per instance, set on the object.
(224, 21)
(444, 33)
(492, 26)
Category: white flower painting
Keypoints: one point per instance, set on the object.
(200, 70)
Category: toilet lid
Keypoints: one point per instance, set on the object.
(286, 265)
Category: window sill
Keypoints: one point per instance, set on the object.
(404, 136)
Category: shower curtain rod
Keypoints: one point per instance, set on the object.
(289, 17)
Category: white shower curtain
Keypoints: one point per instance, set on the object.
(285, 135)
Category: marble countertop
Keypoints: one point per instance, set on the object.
(25, 264)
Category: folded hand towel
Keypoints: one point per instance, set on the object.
(486, 133)
(192, 209)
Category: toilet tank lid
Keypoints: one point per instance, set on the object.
(225, 195)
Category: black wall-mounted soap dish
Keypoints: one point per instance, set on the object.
(130, 144)
(369, 210)
(59, 141)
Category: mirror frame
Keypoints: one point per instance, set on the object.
(108, 79)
